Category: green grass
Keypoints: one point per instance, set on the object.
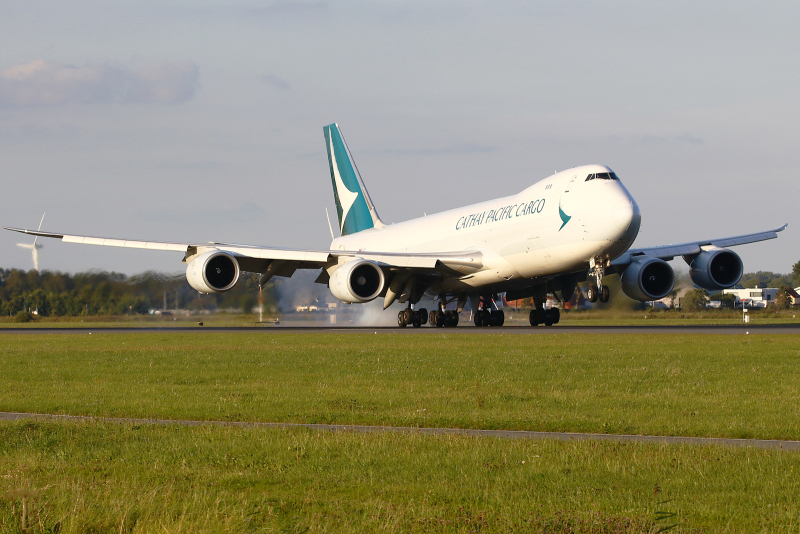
(139, 321)
(665, 384)
(98, 477)
(348, 316)
(107, 477)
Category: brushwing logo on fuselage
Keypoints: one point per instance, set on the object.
(564, 217)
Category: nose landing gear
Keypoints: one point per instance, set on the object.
(598, 265)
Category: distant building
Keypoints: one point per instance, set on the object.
(753, 297)
(794, 294)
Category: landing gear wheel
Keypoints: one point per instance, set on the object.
(423, 316)
(535, 318)
(498, 318)
(477, 318)
(451, 319)
(591, 294)
(416, 323)
(552, 316)
(604, 294)
(441, 319)
(408, 316)
(401, 319)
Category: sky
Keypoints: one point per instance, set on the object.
(202, 121)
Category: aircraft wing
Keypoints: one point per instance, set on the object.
(283, 262)
(668, 252)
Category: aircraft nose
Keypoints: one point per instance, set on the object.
(623, 214)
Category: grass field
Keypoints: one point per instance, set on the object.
(354, 316)
(694, 385)
(95, 477)
(103, 477)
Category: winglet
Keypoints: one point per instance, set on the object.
(34, 232)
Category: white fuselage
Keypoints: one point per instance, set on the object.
(554, 226)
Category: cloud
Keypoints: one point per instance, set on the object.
(44, 83)
(218, 216)
(455, 149)
(276, 82)
(655, 140)
(689, 138)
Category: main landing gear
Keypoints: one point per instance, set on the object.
(538, 314)
(546, 317)
(598, 266)
(442, 317)
(486, 316)
(438, 318)
(416, 318)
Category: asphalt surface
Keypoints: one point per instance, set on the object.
(516, 330)
(505, 434)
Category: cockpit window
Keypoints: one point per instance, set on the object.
(602, 176)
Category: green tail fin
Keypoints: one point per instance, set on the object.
(353, 205)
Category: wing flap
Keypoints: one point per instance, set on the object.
(267, 253)
(458, 262)
(463, 262)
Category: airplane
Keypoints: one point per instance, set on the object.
(567, 228)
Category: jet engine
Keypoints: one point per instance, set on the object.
(357, 281)
(648, 279)
(213, 272)
(717, 268)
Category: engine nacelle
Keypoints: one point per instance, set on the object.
(717, 268)
(648, 279)
(214, 271)
(357, 281)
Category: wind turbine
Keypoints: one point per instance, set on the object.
(34, 247)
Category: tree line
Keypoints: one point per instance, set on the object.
(53, 293)
(764, 279)
(50, 293)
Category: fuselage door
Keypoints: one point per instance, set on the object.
(569, 184)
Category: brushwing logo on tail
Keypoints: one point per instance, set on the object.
(346, 197)
(351, 204)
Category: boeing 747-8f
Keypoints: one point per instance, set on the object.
(545, 239)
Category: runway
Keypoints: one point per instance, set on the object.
(504, 434)
(426, 330)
